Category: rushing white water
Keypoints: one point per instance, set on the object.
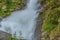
(22, 20)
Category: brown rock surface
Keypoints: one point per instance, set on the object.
(38, 32)
(3, 35)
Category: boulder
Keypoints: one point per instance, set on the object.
(4, 35)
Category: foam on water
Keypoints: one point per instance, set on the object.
(22, 20)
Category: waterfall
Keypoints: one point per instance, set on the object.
(22, 20)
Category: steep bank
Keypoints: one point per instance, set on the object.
(7, 6)
(39, 23)
(51, 22)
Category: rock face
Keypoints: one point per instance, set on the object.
(38, 33)
(4, 35)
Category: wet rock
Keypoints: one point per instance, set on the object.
(4, 35)
(38, 32)
(0, 21)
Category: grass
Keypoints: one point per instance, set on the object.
(51, 14)
(9, 37)
(7, 6)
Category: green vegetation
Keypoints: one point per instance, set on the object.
(51, 14)
(9, 37)
(7, 6)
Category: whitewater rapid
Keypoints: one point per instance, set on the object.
(22, 20)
